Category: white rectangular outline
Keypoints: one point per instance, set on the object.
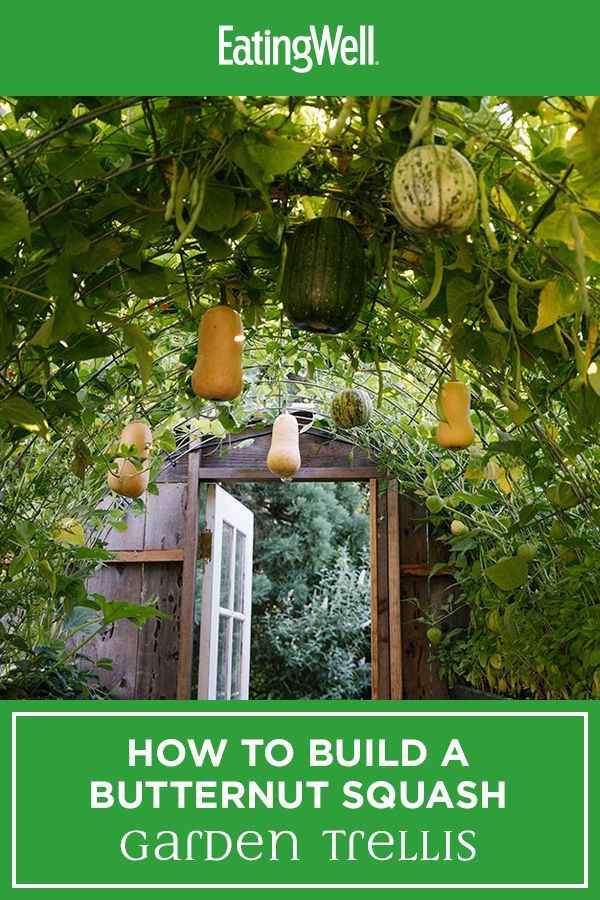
(280, 714)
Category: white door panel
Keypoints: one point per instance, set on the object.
(224, 658)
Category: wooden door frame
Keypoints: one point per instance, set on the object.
(387, 572)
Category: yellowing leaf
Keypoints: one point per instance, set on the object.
(17, 411)
(591, 132)
(557, 299)
(503, 203)
(557, 227)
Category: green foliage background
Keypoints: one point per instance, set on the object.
(122, 219)
(311, 591)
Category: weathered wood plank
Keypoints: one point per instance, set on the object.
(174, 472)
(383, 625)
(439, 587)
(414, 593)
(374, 590)
(130, 539)
(158, 642)
(422, 570)
(304, 474)
(323, 458)
(165, 517)
(147, 556)
(420, 680)
(188, 591)
(119, 642)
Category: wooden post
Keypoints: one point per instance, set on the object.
(188, 586)
(374, 592)
(393, 536)
(380, 585)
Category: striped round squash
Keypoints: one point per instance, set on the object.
(323, 284)
(351, 408)
(434, 191)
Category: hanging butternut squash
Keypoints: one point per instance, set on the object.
(218, 371)
(456, 431)
(284, 453)
(129, 477)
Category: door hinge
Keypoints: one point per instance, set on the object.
(205, 545)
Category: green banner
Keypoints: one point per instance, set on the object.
(374, 796)
(240, 48)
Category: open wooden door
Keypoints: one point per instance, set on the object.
(226, 606)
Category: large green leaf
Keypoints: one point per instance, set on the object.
(14, 221)
(87, 344)
(591, 132)
(18, 411)
(138, 613)
(521, 105)
(562, 495)
(149, 282)
(509, 573)
(59, 279)
(557, 300)
(218, 208)
(460, 294)
(142, 345)
(263, 157)
(557, 227)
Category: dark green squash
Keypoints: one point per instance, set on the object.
(323, 284)
(351, 408)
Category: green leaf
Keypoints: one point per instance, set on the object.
(591, 132)
(99, 255)
(75, 242)
(509, 573)
(47, 573)
(262, 157)
(87, 344)
(138, 613)
(460, 294)
(18, 411)
(135, 337)
(59, 279)
(557, 227)
(149, 282)
(20, 563)
(82, 458)
(594, 377)
(522, 105)
(557, 300)
(562, 495)
(68, 318)
(14, 221)
(496, 347)
(218, 208)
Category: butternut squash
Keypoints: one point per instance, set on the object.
(456, 431)
(284, 453)
(126, 477)
(218, 371)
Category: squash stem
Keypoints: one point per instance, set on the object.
(331, 207)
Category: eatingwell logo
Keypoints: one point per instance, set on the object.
(327, 45)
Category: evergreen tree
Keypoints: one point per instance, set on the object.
(310, 621)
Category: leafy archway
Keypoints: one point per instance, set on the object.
(122, 219)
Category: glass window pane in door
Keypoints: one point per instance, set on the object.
(238, 588)
(222, 658)
(236, 659)
(226, 552)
